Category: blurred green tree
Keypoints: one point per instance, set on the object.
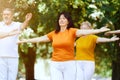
(98, 12)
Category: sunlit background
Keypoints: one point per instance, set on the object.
(35, 58)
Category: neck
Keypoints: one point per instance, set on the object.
(63, 28)
(8, 23)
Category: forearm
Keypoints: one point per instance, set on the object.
(24, 24)
(3, 35)
(35, 40)
(102, 40)
(27, 19)
(106, 40)
(114, 32)
(86, 32)
(7, 34)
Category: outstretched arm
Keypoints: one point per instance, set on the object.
(35, 40)
(102, 40)
(91, 31)
(27, 19)
(112, 32)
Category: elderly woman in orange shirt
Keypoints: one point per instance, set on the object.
(85, 46)
(63, 38)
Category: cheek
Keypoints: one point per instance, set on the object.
(81, 27)
(66, 21)
(84, 27)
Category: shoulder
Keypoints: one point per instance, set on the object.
(94, 37)
(17, 23)
(1, 22)
(51, 33)
(73, 29)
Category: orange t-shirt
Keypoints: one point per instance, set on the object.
(85, 46)
(63, 44)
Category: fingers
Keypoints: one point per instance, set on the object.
(20, 41)
(107, 34)
(115, 38)
(28, 16)
(105, 28)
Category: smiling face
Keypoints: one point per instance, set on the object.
(63, 22)
(7, 16)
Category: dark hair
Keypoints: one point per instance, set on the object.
(68, 17)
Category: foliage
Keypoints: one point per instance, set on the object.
(98, 12)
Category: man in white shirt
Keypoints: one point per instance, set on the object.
(9, 31)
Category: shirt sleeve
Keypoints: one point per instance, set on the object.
(95, 37)
(74, 30)
(50, 35)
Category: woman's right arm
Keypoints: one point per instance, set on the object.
(35, 40)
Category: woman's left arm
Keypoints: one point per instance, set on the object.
(91, 31)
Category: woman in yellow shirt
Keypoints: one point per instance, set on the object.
(63, 63)
(85, 46)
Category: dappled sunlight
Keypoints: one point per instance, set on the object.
(42, 68)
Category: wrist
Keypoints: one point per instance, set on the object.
(99, 31)
(112, 39)
(8, 34)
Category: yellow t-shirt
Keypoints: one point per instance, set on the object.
(85, 46)
(63, 44)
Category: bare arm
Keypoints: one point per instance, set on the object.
(91, 31)
(102, 40)
(27, 19)
(35, 40)
(7, 34)
(112, 32)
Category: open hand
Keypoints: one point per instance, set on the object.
(104, 29)
(115, 38)
(28, 16)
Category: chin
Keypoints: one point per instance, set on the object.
(7, 22)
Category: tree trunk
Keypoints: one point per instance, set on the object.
(29, 61)
(116, 63)
(116, 70)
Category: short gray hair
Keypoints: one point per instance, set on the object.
(8, 9)
(86, 23)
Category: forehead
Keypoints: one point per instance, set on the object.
(7, 12)
(84, 25)
(62, 16)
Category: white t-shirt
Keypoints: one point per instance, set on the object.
(8, 45)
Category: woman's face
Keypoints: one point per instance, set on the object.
(63, 22)
(85, 26)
